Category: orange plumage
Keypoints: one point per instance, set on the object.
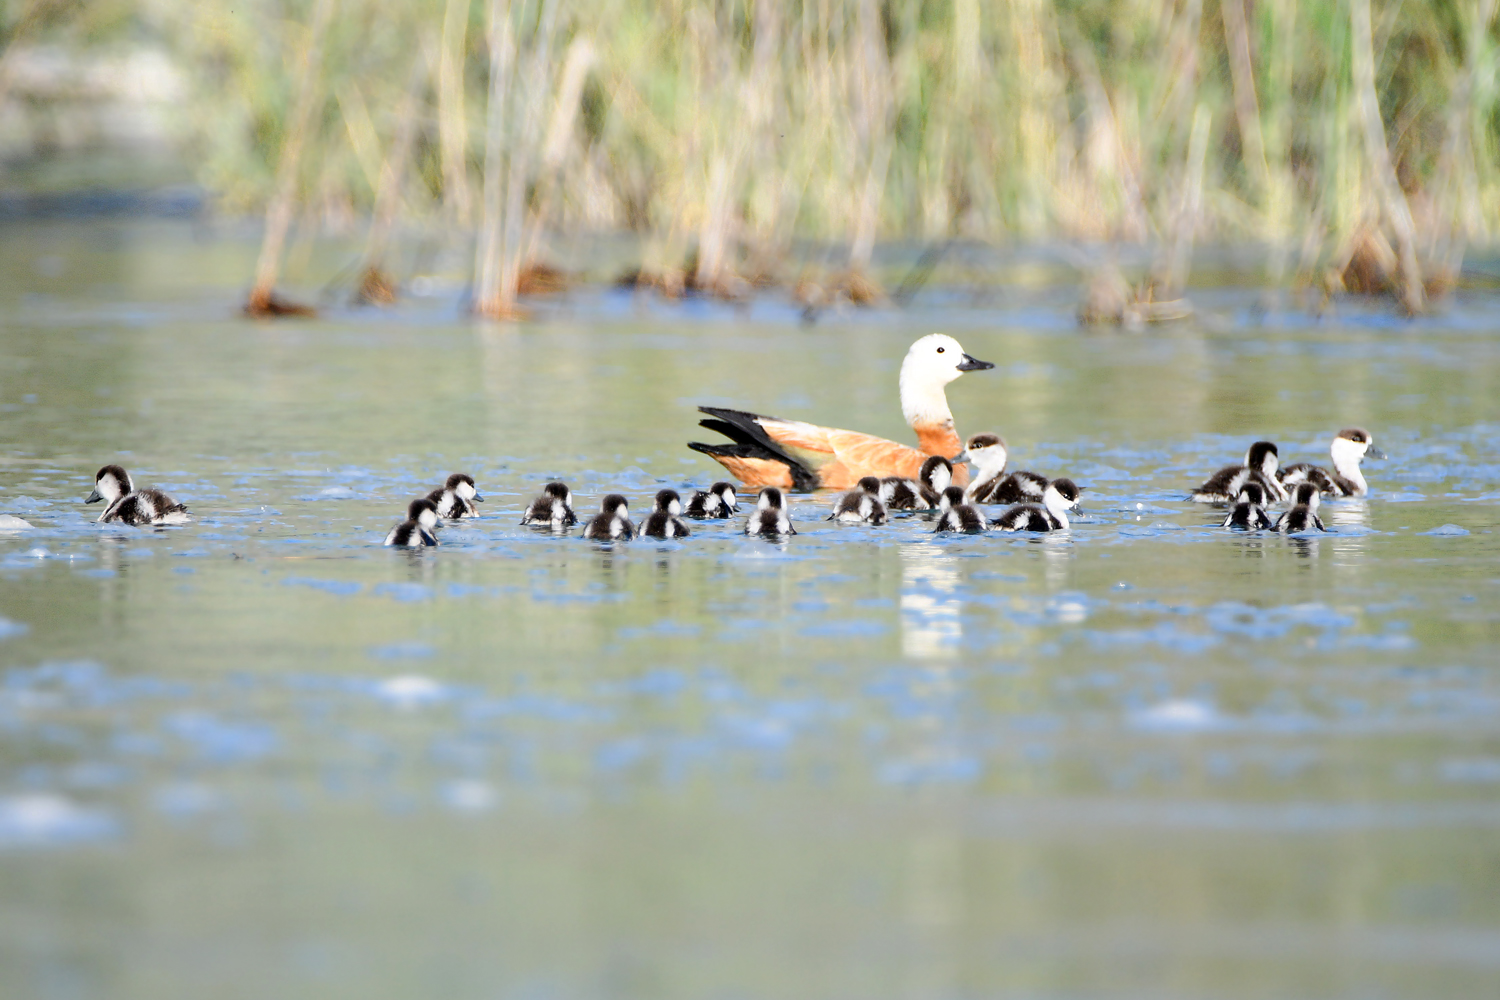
(791, 454)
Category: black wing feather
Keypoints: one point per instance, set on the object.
(751, 441)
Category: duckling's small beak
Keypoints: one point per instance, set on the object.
(960, 458)
(974, 364)
(93, 497)
(478, 498)
(1374, 452)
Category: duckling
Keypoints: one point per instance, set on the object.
(957, 515)
(1346, 480)
(664, 520)
(1051, 514)
(416, 530)
(860, 505)
(1303, 516)
(124, 504)
(554, 507)
(456, 498)
(900, 494)
(1249, 511)
(989, 484)
(935, 476)
(612, 523)
(1259, 467)
(770, 518)
(719, 500)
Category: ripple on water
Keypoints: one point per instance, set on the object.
(340, 588)
(1446, 531)
(410, 691)
(1179, 715)
(46, 820)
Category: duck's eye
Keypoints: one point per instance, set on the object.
(941, 349)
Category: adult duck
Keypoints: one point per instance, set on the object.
(770, 451)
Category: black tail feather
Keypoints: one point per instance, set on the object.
(751, 441)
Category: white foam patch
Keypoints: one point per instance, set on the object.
(1178, 715)
(410, 691)
(470, 796)
(51, 820)
(9, 522)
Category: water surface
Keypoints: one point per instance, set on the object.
(264, 756)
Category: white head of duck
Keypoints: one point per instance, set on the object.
(930, 364)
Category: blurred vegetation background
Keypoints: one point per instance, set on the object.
(1356, 141)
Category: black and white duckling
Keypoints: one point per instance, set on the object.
(417, 530)
(1346, 480)
(860, 505)
(665, 520)
(612, 523)
(1303, 516)
(126, 504)
(456, 498)
(989, 482)
(770, 518)
(958, 516)
(1060, 496)
(553, 508)
(935, 476)
(1249, 510)
(719, 500)
(1259, 467)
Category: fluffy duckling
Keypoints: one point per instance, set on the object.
(612, 523)
(719, 500)
(125, 504)
(860, 505)
(456, 498)
(553, 508)
(989, 483)
(770, 518)
(1303, 515)
(935, 476)
(1260, 465)
(1349, 448)
(1051, 514)
(416, 530)
(665, 520)
(1249, 510)
(958, 516)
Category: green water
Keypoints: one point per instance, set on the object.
(264, 756)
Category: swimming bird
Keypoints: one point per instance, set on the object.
(416, 530)
(770, 518)
(1259, 467)
(553, 508)
(1303, 516)
(770, 451)
(1249, 510)
(1060, 496)
(860, 505)
(664, 520)
(1346, 480)
(612, 523)
(456, 498)
(719, 500)
(125, 504)
(988, 482)
(957, 515)
(934, 476)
